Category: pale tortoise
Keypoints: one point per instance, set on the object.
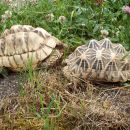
(20, 46)
(98, 61)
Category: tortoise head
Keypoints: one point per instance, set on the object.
(59, 44)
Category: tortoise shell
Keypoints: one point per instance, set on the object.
(19, 47)
(99, 61)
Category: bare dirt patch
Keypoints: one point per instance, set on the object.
(9, 85)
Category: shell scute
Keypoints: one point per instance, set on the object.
(17, 44)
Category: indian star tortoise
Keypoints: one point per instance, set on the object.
(23, 43)
(98, 61)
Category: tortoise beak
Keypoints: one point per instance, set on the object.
(61, 45)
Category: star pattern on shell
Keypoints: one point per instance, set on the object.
(99, 61)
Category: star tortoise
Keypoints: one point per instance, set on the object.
(98, 61)
(23, 43)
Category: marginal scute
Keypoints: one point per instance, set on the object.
(41, 54)
(5, 61)
(12, 62)
(99, 61)
(47, 50)
(18, 60)
(25, 57)
(123, 76)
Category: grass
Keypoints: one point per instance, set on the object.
(84, 19)
(46, 100)
(49, 103)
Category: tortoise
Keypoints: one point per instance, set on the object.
(98, 61)
(35, 45)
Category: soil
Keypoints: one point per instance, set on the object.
(9, 85)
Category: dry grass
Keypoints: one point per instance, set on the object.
(49, 102)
